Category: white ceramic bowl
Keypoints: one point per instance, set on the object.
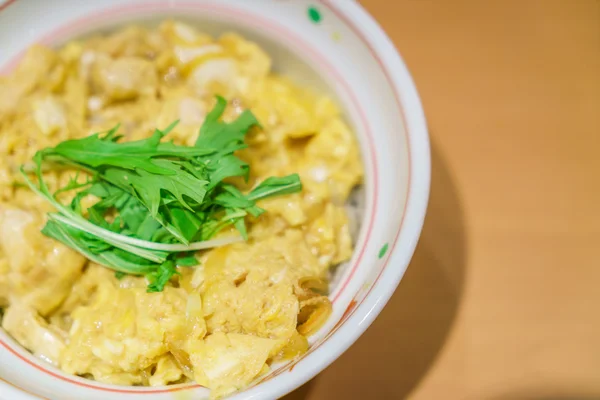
(334, 45)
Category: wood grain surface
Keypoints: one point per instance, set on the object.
(502, 298)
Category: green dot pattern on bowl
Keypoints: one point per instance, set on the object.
(383, 250)
(314, 14)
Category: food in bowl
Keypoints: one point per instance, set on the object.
(75, 299)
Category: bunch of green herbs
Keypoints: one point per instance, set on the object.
(157, 202)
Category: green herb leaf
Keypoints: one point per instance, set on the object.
(159, 278)
(105, 256)
(186, 260)
(276, 186)
(220, 135)
(96, 151)
(148, 187)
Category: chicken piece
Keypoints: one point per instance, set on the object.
(290, 208)
(82, 293)
(331, 166)
(12, 93)
(182, 105)
(287, 110)
(132, 116)
(250, 305)
(133, 41)
(295, 252)
(229, 362)
(255, 62)
(328, 236)
(187, 47)
(124, 330)
(267, 225)
(35, 69)
(248, 288)
(214, 76)
(176, 32)
(291, 116)
(252, 62)
(166, 371)
(49, 115)
(25, 325)
(42, 270)
(103, 342)
(75, 98)
(295, 346)
(22, 137)
(189, 56)
(125, 78)
(228, 67)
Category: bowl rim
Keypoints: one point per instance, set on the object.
(360, 315)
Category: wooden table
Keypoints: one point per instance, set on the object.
(502, 298)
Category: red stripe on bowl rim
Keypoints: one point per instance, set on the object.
(81, 22)
(6, 4)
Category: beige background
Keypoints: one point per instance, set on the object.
(502, 299)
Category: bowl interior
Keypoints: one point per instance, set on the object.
(330, 55)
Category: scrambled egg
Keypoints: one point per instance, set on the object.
(247, 305)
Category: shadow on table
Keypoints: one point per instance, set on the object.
(402, 344)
